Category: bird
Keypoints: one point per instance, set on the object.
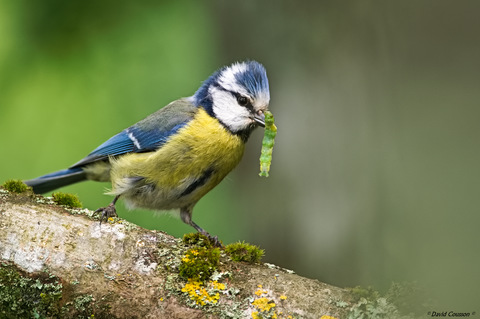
(169, 160)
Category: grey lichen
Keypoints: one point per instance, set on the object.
(27, 296)
(401, 301)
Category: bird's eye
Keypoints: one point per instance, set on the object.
(242, 100)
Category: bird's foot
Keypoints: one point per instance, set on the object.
(213, 239)
(107, 212)
(186, 215)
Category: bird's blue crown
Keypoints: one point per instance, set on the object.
(250, 76)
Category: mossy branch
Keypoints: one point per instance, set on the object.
(65, 265)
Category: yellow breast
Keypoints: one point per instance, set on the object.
(201, 149)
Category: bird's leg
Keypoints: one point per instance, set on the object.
(186, 216)
(109, 211)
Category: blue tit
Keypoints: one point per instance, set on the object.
(173, 157)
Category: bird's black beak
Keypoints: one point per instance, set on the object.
(260, 118)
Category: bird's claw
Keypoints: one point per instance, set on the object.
(107, 212)
(213, 239)
(216, 242)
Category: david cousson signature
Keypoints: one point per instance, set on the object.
(450, 314)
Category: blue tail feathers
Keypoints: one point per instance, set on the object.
(56, 180)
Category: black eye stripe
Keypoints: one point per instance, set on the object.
(238, 96)
(243, 100)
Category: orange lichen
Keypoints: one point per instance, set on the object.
(203, 294)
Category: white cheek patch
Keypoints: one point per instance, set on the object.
(227, 110)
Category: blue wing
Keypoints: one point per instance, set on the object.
(147, 135)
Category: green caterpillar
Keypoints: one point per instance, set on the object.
(267, 144)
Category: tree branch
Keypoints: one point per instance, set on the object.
(72, 266)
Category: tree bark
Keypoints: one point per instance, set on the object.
(119, 270)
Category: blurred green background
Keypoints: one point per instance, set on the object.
(375, 175)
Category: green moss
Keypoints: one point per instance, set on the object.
(66, 199)
(199, 263)
(197, 239)
(16, 186)
(25, 297)
(242, 251)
